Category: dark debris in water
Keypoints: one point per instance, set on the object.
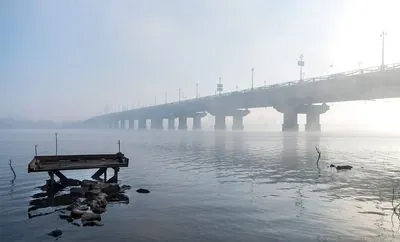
(142, 190)
(55, 233)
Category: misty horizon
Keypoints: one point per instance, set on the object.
(73, 61)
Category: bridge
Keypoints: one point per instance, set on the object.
(307, 96)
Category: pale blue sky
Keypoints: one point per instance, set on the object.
(66, 60)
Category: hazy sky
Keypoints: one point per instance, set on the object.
(67, 60)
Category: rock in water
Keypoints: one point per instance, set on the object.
(347, 167)
(70, 182)
(56, 233)
(332, 165)
(88, 183)
(77, 192)
(90, 217)
(91, 194)
(142, 190)
(110, 188)
(125, 187)
(76, 213)
(92, 223)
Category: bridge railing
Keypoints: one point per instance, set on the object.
(356, 72)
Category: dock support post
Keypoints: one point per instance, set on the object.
(52, 182)
(99, 172)
(105, 175)
(114, 179)
(60, 175)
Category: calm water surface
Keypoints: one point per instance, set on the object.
(206, 186)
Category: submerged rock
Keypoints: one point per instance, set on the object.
(70, 182)
(125, 187)
(332, 165)
(76, 224)
(77, 192)
(91, 223)
(346, 167)
(110, 188)
(91, 194)
(55, 233)
(89, 183)
(142, 190)
(76, 213)
(87, 216)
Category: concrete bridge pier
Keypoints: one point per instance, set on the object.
(312, 111)
(142, 123)
(116, 124)
(289, 117)
(290, 121)
(156, 123)
(182, 125)
(238, 119)
(313, 114)
(122, 124)
(171, 123)
(220, 122)
(197, 120)
(131, 123)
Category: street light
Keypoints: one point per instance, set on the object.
(220, 87)
(252, 78)
(165, 97)
(300, 63)
(179, 99)
(197, 89)
(383, 34)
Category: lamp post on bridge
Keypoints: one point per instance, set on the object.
(252, 78)
(179, 98)
(220, 86)
(300, 63)
(166, 97)
(197, 89)
(383, 34)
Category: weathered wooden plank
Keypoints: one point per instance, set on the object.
(75, 162)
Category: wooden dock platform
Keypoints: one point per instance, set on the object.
(55, 163)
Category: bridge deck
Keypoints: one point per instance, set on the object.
(74, 162)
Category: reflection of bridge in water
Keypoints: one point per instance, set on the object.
(291, 98)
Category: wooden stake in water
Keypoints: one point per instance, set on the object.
(119, 146)
(12, 169)
(35, 150)
(56, 143)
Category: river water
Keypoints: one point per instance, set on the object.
(216, 186)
